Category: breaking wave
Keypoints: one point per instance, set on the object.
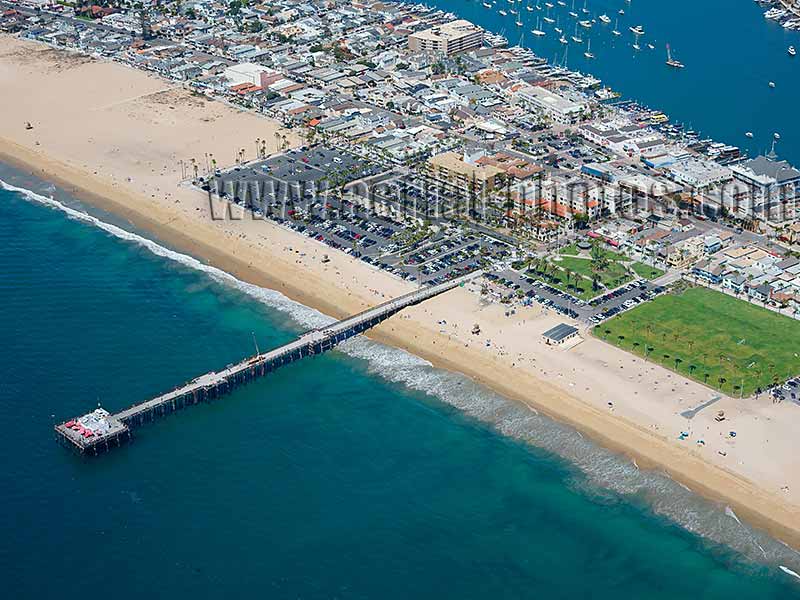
(597, 472)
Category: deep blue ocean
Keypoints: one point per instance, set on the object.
(730, 50)
(363, 473)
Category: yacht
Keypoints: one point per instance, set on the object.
(588, 54)
(749, 134)
(638, 29)
(621, 11)
(561, 3)
(549, 4)
(563, 40)
(503, 13)
(487, 5)
(585, 24)
(772, 84)
(605, 19)
(572, 12)
(651, 46)
(672, 62)
(792, 51)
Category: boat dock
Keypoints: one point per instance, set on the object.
(99, 430)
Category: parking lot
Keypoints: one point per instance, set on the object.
(295, 177)
(596, 311)
(286, 190)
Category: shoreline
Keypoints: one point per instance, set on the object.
(709, 481)
(123, 159)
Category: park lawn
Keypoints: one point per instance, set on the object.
(614, 276)
(572, 249)
(727, 343)
(646, 271)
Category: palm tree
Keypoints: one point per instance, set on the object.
(721, 381)
(678, 360)
(607, 332)
(621, 339)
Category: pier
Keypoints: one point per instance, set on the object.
(100, 430)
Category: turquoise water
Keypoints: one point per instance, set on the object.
(323, 480)
(730, 51)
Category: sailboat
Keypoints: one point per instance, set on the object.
(529, 8)
(548, 18)
(588, 54)
(558, 29)
(636, 42)
(675, 64)
(616, 31)
(538, 31)
(572, 12)
(563, 40)
(518, 23)
(576, 38)
(585, 10)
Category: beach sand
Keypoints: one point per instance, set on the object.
(114, 137)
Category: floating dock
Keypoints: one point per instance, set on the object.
(99, 430)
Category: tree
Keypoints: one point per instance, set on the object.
(599, 263)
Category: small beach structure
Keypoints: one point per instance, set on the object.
(559, 334)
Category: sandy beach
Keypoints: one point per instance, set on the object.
(116, 138)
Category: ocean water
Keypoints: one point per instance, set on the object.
(730, 50)
(362, 473)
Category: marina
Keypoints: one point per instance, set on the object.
(99, 431)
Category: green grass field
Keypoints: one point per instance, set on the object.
(729, 344)
(646, 271)
(614, 276)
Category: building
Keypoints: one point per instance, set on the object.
(457, 175)
(559, 334)
(447, 39)
(558, 108)
(774, 186)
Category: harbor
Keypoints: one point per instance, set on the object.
(100, 431)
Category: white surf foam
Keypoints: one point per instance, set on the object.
(603, 475)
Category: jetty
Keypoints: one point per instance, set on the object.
(99, 431)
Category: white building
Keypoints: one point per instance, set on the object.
(448, 39)
(557, 107)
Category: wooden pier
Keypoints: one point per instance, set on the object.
(99, 430)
